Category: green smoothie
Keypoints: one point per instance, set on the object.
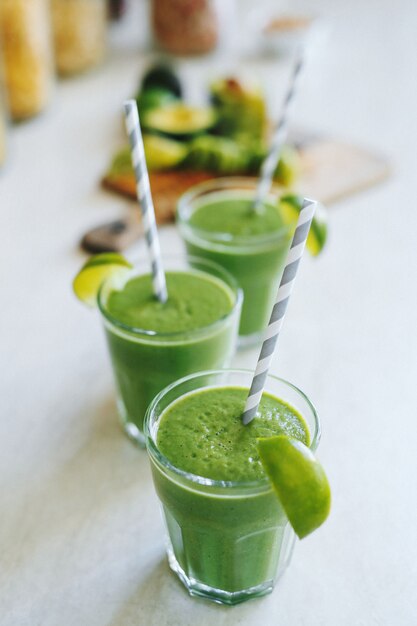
(226, 537)
(152, 343)
(195, 301)
(235, 217)
(202, 433)
(252, 246)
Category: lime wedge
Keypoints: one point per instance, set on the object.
(288, 167)
(298, 480)
(87, 282)
(162, 153)
(290, 207)
(121, 163)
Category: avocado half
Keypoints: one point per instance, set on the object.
(179, 121)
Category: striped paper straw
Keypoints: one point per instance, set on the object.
(143, 192)
(278, 312)
(271, 160)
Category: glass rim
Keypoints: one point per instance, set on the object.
(172, 336)
(262, 484)
(217, 239)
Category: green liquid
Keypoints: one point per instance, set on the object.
(236, 217)
(203, 433)
(225, 230)
(222, 538)
(144, 363)
(194, 302)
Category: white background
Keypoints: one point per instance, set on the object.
(80, 532)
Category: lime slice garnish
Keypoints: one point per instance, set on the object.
(87, 282)
(298, 480)
(290, 207)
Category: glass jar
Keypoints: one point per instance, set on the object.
(25, 32)
(3, 116)
(186, 26)
(79, 29)
(117, 9)
(2, 131)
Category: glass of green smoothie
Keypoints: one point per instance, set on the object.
(216, 222)
(152, 344)
(228, 536)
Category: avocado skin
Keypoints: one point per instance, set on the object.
(162, 77)
(153, 98)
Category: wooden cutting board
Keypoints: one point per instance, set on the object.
(331, 170)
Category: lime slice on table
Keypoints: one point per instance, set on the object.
(290, 207)
(87, 282)
(298, 480)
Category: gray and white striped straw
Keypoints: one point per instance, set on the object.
(280, 133)
(279, 309)
(143, 192)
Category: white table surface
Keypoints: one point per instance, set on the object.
(80, 531)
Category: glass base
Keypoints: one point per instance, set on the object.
(134, 434)
(130, 429)
(199, 590)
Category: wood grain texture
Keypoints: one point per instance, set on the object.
(166, 188)
(330, 171)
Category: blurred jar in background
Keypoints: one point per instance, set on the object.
(2, 128)
(3, 117)
(117, 8)
(27, 50)
(186, 27)
(79, 29)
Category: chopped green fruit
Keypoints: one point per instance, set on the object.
(241, 110)
(298, 480)
(217, 154)
(288, 167)
(179, 120)
(121, 163)
(290, 207)
(162, 153)
(94, 272)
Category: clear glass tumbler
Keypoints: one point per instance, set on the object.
(227, 541)
(146, 361)
(255, 261)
